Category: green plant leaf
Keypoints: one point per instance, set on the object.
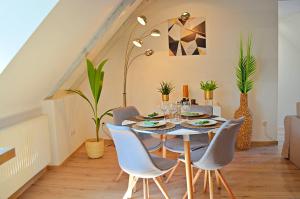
(100, 85)
(99, 77)
(78, 92)
(110, 114)
(165, 88)
(107, 113)
(246, 68)
(101, 65)
(91, 75)
(208, 85)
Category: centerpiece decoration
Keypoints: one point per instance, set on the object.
(95, 146)
(165, 89)
(244, 73)
(208, 87)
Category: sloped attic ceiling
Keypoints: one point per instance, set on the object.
(53, 47)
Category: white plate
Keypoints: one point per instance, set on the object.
(194, 122)
(192, 114)
(147, 125)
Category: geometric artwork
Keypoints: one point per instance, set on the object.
(187, 37)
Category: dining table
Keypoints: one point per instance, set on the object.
(175, 129)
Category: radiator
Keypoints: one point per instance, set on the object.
(31, 142)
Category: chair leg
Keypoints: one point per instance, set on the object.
(194, 180)
(134, 189)
(172, 172)
(211, 186)
(205, 181)
(119, 176)
(161, 188)
(145, 188)
(224, 182)
(218, 180)
(131, 183)
(197, 176)
(148, 189)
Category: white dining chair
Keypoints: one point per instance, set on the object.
(218, 154)
(175, 144)
(126, 113)
(135, 160)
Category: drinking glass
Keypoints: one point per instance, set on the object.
(173, 110)
(178, 112)
(186, 106)
(164, 108)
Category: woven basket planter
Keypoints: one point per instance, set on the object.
(245, 134)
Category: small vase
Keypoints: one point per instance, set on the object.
(244, 136)
(165, 98)
(208, 95)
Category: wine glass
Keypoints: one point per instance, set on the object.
(164, 108)
(173, 109)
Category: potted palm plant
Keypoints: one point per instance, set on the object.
(94, 146)
(208, 87)
(244, 74)
(165, 89)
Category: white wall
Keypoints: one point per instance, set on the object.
(288, 57)
(66, 126)
(226, 20)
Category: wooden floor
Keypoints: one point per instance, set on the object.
(259, 173)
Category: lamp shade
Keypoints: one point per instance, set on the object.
(142, 20)
(185, 16)
(137, 42)
(149, 52)
(155, 33)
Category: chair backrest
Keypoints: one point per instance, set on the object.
(124, 113)
(220, 151)
(132, 155)
(207, 109)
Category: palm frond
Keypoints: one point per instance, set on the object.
(246, 68)
(78, 92)
(108, 112)
(91, 75)
(96, 77)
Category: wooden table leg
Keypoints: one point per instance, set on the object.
(188, 168)
(164, 150)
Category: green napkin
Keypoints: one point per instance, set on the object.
(150, 123)
(153, 114)
(191, 113)
(202, 122)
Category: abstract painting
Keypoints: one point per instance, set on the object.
(187, 37)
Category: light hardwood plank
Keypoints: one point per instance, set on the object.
(259, 173)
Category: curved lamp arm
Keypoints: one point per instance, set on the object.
(136, 56)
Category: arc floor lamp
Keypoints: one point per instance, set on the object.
(137, 42)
